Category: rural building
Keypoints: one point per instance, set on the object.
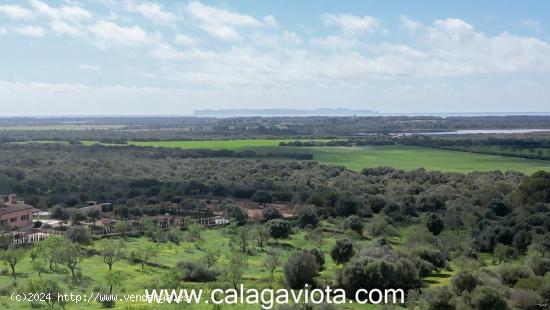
(15, 213)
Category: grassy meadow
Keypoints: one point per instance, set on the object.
(93, 269)
(357, 158)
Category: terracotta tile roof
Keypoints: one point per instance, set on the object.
(7, 207)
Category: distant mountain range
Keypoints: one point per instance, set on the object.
(282, 112)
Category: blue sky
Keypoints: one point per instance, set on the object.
(131, 57)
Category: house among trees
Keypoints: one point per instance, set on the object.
(15, 213)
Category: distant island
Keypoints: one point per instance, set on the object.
(282, 112)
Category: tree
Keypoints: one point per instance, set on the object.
(235, 213)
(146, 253)
(262, 234)
(487, 298)
(241, 239)
(195, 231)
(262, 197)
(12, 256)
(279, 229)
(114, 278)
(271, 213)
(112, 250)
(354, 223)
(342, 251)
(48, 288)
(211, 257)
(435, 224)
(307, 217)
(439, 298)
(122, 228)
(270, 263)
(301, 269)
(79, 234)
(50, 249)
(78, 217)
(499, 207)
(464, 281)
(122, 212)
(93, 216)
(60, 213)
(71, 254)
(346, 206)
(235, 268)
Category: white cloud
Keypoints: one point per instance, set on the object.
(3, 31)
(165, 51)
(14, 11)
(409, 24)
(66, 20)
(351, 24)
(219, 22)
(65, 13)
(153, 12)
(89, 68)
(336, 42)
(61, 27)
(184, 39)
(530, 24)
(31, 31)
(109, 32)
(270, 21)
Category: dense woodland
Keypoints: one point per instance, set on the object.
(489, 231)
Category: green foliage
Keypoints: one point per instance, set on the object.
(439, 298)
(79, 234)
(301, 268)
(342, 251)
(435, 224)
(279, 229)
(194, 272)
(354, 223)
(464, 281)
(487, 298)
(12, 256)
(307, 217)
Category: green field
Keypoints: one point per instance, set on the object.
(409, 157)
(93, 271)
(357, 158)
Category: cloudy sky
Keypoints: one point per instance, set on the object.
(117, 57)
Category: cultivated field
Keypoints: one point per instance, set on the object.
(357, 158)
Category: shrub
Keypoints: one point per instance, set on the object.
(236, 214)
(487, 298)
(353, 223)
(431, 255)
(271, 214)
(195, 272)
(79, 234)
(510, 274)
(342, 251)
(438, 298)
(301, 269)
(279, 229)
(307, 217)
(435, 224)
(319, 256)
(367, 273)
(499, 207)
(525, 298)
(464, 281)
(503, 253)
(262, 197)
